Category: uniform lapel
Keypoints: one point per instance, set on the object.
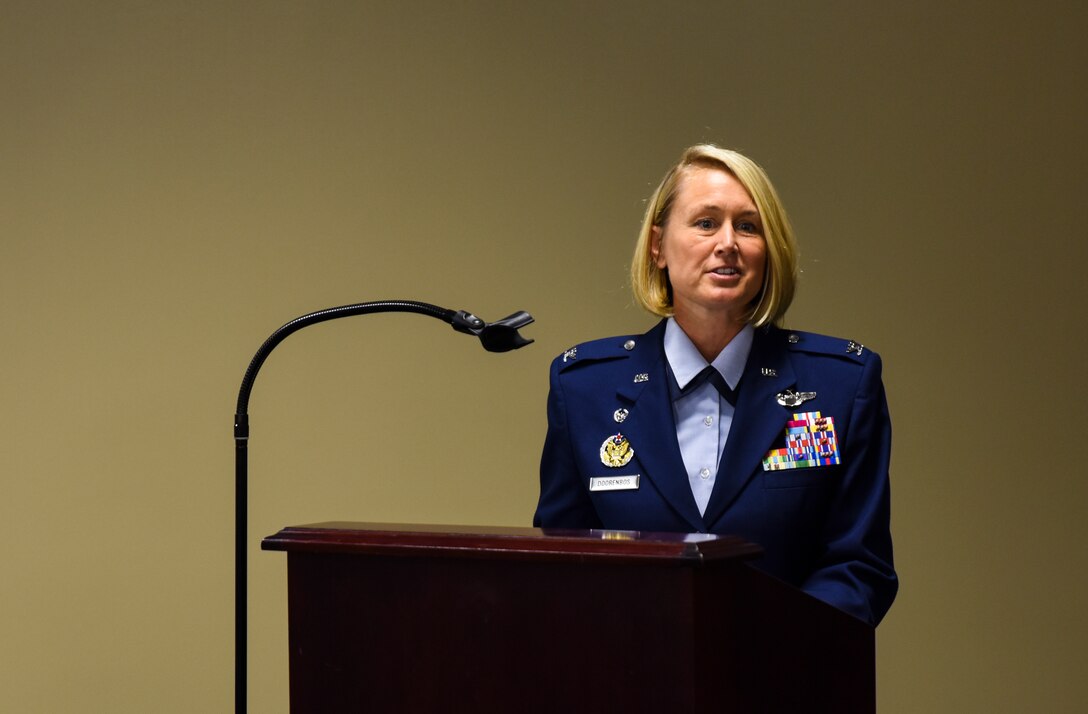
(651, 429)
(758, 421)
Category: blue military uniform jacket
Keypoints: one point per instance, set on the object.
(824, 528)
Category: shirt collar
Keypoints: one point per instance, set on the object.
(686, 362)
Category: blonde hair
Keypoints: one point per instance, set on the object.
(651, 284)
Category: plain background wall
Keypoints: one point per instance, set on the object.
(179, 178)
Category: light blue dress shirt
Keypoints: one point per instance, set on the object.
(703, 417)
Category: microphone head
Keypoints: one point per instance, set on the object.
(499, 336)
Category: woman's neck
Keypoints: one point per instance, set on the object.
(710, 333)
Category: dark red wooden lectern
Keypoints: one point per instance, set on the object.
(393, 618)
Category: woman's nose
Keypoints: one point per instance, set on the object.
(727, 240)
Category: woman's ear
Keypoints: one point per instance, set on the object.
(655, 246)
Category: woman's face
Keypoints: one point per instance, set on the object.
(712, 245)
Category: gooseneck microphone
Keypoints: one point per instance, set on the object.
(499, 336)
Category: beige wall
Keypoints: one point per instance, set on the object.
(177, 179)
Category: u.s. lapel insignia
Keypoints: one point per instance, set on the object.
(810, 441)
(571, 354)
(642, 377)
(616, 451)
(790, 398)
(768, 372)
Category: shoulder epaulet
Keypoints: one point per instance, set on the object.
(596, 350)
(799, 341)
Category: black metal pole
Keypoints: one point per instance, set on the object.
(241, 570)
(499, 336)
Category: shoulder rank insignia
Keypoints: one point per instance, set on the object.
(810, 441)
(572, 353)
(855, 347)
(616, 451)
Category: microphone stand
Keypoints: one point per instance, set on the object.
(499, 336)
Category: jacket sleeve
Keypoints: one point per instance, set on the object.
(564, 500)
(855, 571)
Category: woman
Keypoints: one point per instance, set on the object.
(717, 420)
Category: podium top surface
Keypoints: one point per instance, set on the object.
(506, 542)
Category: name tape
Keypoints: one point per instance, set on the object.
(614, 483)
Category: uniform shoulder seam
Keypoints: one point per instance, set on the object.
(812, 342)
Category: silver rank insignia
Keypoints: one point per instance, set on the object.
(790, 398)
(855, 347)
(571, 354)
(616, 451)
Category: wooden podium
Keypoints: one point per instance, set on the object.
(411, 618)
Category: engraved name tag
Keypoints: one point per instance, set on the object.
(614, 483)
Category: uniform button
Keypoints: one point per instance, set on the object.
(709, 420)
(705, 473)
(629, 345)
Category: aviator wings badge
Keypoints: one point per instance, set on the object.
(790, 398)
